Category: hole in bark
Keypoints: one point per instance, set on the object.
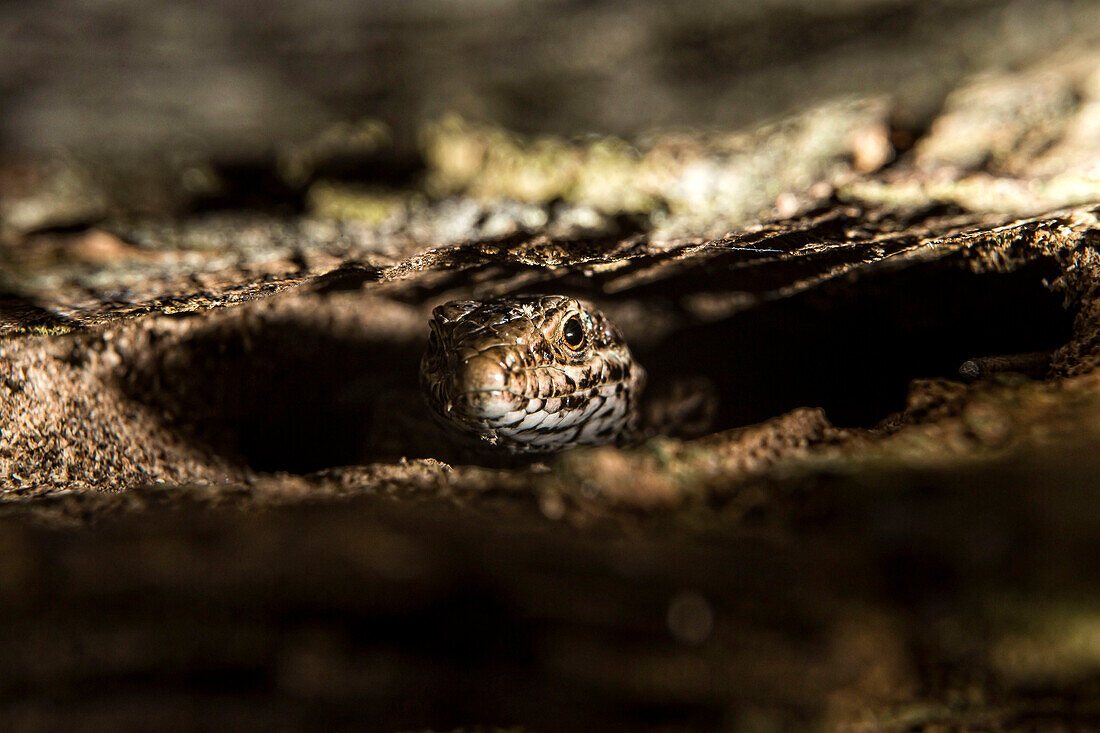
(250, 185)
(853, 349)
(286, 395)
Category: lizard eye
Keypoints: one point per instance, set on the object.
(572, 333)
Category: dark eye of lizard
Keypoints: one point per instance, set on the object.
(572, 333)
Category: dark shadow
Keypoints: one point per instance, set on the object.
(250, 185)
(286, 395)
(853, 348)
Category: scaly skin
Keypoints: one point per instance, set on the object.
(531, 374)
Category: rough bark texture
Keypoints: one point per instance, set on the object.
(223, 505)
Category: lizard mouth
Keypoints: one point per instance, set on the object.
(483, 405)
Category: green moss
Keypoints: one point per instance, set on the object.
(978, 192)
(488, 162)
(350, 203)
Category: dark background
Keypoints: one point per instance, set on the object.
(237, 78)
